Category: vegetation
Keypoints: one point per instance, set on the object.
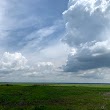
(54, 97)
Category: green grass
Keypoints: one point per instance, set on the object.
(55, 97)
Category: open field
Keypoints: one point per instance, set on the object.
(55, 97)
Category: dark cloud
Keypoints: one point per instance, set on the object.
(90, 57)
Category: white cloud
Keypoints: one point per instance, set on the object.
(13, 61)
(16, 64)
(46, 31)
(84, 26)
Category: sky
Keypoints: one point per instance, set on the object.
(55, 41)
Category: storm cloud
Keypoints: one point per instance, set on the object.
(87, 32)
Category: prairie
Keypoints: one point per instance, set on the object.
(54, 97)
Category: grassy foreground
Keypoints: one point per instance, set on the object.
(54, 97)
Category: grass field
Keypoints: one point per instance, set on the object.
(54, 97)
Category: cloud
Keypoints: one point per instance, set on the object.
(27, 23)
(17, 20)
(12, 62)
(89, 56)
(15, 67)
(16, 64)
(56, 51)
(46, 31)
(41, 69)
(86, 21)
(87, 28)
(38, 39)
(44, 67)
(98, 73)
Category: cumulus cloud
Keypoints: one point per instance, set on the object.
(12, 62)
(87, 26)
(86, 21)
(15, 67)
(17, 64)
